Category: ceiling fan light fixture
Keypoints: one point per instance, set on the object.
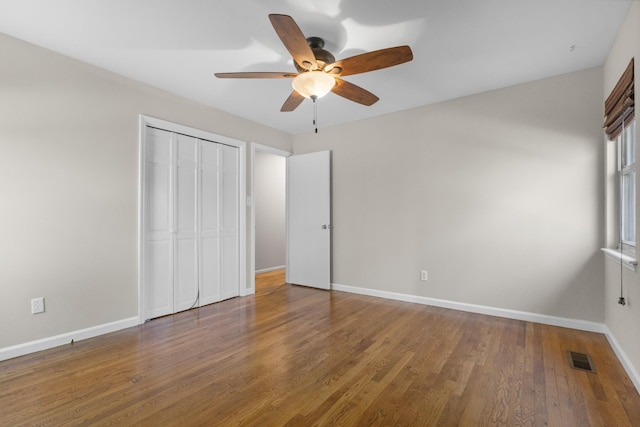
(313, 84)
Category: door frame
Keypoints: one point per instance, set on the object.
(145, 121)
(251, 289)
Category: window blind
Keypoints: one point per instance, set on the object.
(620, 105)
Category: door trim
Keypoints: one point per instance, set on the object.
(251, 289)
(145, 121)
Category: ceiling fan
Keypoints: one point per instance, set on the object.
(318, 71)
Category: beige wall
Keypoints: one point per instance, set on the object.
(69, 187)
(623, 321)
(497, 195)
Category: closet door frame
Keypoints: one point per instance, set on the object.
(145, 121)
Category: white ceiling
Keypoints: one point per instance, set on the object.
(460, 47)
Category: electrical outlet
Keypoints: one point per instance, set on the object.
(423, 275)
(37, 305)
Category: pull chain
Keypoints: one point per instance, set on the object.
(621, 149)
(315, 112)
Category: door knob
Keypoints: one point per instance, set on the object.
(326, 227)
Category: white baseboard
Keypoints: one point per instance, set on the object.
(50, 342)
(582, 325)
(266, 270)
(624, 359)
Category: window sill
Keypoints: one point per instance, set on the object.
(628, 261)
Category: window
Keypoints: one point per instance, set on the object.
(625, 143)
(620, 127)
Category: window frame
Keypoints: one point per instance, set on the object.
(626, 206)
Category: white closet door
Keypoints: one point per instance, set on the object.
(230, 231)
(191, 224)
(186, 262)
(209, 223)
(158, 240)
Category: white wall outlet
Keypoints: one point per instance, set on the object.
(37, 305)
(423, 275)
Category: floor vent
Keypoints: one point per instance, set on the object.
(580, 361)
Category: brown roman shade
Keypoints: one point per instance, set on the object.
(619, 106)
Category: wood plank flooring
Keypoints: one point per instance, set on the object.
(294, 356)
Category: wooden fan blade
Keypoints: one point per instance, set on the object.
(294, 41)
(256, 75)
(354, 93)
(292, 102)
(371, 61)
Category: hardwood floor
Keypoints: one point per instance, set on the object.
(296, 356)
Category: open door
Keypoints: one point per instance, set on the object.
(309, 220)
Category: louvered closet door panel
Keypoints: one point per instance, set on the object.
(230, 232)
(186, 262)
(158, 251)
(209, 223)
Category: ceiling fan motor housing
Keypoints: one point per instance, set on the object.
(323, 57)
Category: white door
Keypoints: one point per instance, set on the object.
(219, 225)
(229, 222)
(157, 223)
(185, 249)
(309, 220)
(191, 222)
(210, 259)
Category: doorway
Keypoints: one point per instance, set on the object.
(268, 213)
